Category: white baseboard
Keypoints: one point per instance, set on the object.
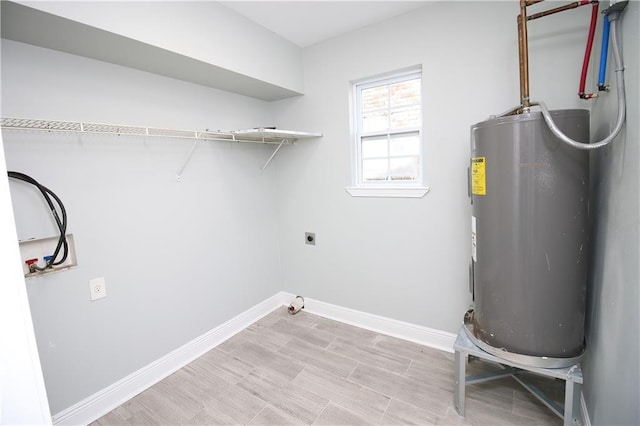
(100, 403)
(415, 333)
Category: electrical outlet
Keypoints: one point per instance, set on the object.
(98, 288)
(310, 238)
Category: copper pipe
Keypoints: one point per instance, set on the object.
(523, 43)
(557, 9)
(523, 53)
(520, 63)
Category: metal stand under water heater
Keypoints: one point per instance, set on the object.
(529, 188)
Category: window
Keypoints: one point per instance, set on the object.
(388, 140)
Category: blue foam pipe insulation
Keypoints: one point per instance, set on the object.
(603, 54)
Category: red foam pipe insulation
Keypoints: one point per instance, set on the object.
(587, 53)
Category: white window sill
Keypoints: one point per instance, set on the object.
(388, 192)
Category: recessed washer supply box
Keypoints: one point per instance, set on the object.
(38, 248)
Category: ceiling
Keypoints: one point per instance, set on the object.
(308, 22)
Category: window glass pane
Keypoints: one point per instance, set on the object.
(374, 147)
(404, 168)
(374, 170)
(375, 98)
(405, 117)
(404, 144)
(405, 93)
(389, 120)
(375, 121)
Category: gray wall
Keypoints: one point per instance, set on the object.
(229, 225)
(408, 259)
(179, 258)
(612, 366)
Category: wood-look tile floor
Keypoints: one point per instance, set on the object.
(305, 369)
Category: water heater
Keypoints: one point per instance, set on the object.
(529, 195)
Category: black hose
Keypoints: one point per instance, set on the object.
(61, 223)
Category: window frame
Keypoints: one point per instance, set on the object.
(386, 188)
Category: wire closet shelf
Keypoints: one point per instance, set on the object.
(257, 135)
(261, 135)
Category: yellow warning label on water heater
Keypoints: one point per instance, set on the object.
(478, 176)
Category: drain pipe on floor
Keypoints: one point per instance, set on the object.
(296, 305)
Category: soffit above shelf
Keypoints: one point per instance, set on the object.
(28, 25)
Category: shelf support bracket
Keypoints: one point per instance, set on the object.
(273, 155)
(186, 161)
